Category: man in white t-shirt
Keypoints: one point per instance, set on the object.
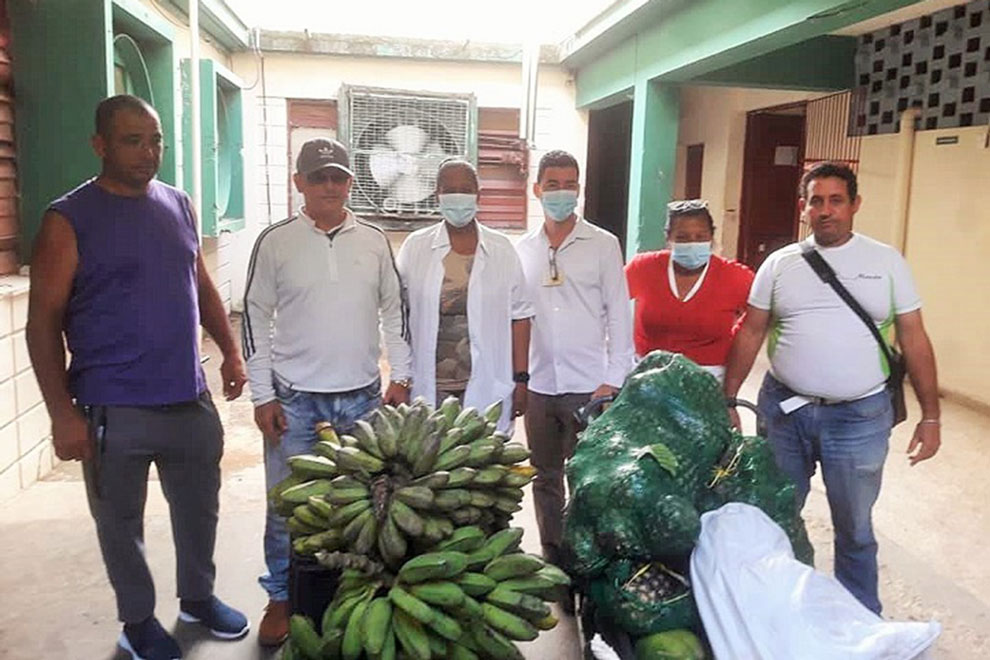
(825, 399)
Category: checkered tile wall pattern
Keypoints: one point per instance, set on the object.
(939, 63)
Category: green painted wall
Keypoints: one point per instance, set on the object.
(656, 115)
(825, 63)
(64, 66)
(707, 35)
(58, 87)
(610, 75)
(749, 43)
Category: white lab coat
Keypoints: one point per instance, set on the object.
(496, 298)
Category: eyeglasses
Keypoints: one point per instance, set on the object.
(327, 174)
(554, 273)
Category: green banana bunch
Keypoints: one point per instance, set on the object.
(434, 607)
(413, 505)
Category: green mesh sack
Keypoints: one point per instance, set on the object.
(748, 473)
(640, 477)
(645, 599)
(639, 467)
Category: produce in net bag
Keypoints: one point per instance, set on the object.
(644, 471)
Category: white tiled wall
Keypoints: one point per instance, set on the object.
(25, 429)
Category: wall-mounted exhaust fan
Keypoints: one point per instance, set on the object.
(397, 141)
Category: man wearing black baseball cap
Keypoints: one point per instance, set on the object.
(320, 153)
(320, 285)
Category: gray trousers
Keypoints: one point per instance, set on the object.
(185, 442)
(551, 432)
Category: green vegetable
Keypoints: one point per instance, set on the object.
(670, 645)
(642, 474)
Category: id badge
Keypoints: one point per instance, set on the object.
(550, 280)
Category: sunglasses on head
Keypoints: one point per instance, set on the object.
(327, 174)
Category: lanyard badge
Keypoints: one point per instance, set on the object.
(555, 276)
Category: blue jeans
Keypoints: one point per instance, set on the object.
(302, 412)
(850, 442)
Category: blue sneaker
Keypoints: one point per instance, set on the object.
(223, 621)
(148, 641)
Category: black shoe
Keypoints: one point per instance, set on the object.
(223, 621)
(149, 641)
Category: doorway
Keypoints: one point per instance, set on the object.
(606, 190)
(772, 161)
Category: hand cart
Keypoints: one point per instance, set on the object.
(590, 620)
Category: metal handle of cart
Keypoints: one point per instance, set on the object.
(586, 413)
(589, 411)
(761, 424)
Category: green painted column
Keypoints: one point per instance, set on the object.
(656, 113)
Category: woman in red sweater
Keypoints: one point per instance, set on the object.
(688, 300)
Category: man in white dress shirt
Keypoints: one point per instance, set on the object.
(581, 345)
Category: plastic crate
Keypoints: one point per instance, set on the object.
(311, 587)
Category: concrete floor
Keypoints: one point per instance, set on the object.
(932, 521)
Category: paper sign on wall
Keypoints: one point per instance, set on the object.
(785, 155)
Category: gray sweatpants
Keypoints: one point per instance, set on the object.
(551, 432)
(185, 441)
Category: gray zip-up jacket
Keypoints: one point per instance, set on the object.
(316, 306)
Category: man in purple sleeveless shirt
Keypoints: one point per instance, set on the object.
(117, 268)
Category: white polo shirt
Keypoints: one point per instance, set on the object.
(582, 331)
(817, 345)
(496, 298)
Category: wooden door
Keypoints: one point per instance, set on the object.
(693, 171)
(771, 173)
(606, 190)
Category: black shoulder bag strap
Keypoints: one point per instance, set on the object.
(827, 275)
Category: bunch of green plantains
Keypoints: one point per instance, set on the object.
(413, 508)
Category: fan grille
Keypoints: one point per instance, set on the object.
(397, 141)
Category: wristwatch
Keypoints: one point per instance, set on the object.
(403, 382)
(521, 377)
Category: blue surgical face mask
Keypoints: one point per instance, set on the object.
(691, 255)
(559, 204)
(458, 208)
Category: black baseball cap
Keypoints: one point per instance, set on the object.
(323, 152)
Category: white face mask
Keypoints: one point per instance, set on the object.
(458, 209)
